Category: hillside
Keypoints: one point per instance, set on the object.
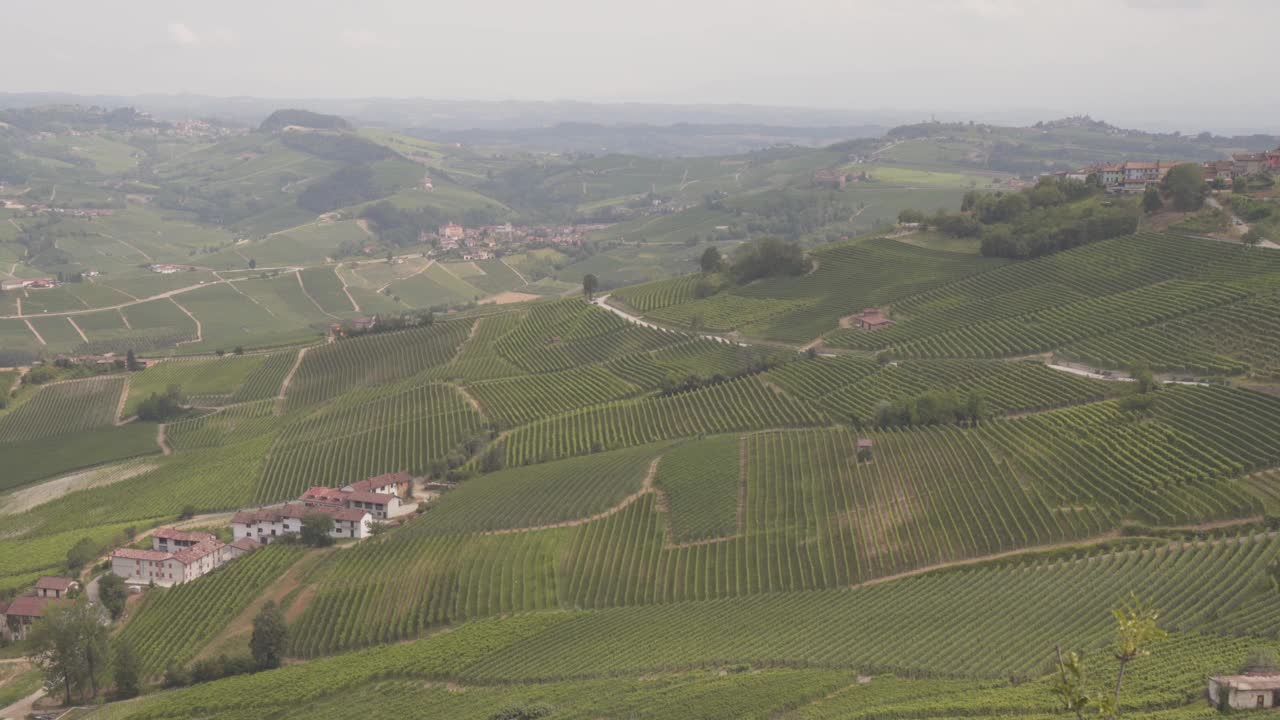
(705, 492)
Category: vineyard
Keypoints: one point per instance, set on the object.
(351, 440)
(63, 408)
(523, 399)
(541, 495)
(851, 387)
(174, 623)
(332, 369)
(622, 521)
(863, 628)
(745, 404)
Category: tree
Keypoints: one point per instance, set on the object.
(1137, 627)
(910, 215)
(589, 286)
(131, 361)
(126, 671)
(1252, 238)
(253, 264)
(70, 645)
(239, 350)
(159, 408)
(270, 636)
(316, 528)
(1185, 184)
(113, 593)
(82, 553)
(710, 261)
(1151, 201)
(1143, 380)
(768, 257)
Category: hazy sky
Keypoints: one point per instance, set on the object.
(1117, 59)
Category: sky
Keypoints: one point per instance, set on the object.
(1182, 62)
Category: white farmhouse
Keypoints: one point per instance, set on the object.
(269, 523)
(1244, 692)
(174, 558)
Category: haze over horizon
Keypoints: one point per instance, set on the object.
(996, 59)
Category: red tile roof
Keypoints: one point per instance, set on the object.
(186, 556)
(349, 515)
(28, 606)
(373, 483)
(175, 534)
(55, 583)
(136, 554)
(247, 544)
(370, 497)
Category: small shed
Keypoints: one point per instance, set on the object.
(1245, 692)
(55, 588)
(864, 444)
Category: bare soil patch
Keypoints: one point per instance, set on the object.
(509, 297)
(30, 497)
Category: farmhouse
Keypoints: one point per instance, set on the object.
(1249, 164)
(20, 614)
(266, 524)
(55, 588)
(1244, 692)
(452, 231)
(175, 557)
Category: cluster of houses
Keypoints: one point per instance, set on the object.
(354, 508)
(1136, 175)
(486, 242)
(167, 269)
(18, 615)
(175, 557)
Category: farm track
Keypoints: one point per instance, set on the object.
(124, 399)
(252, 299)
(199, 327)
(1086, 542)
(284, 386)
(470, 399)
(355, 306)
(162, 441)
(303, 286)
(77, 327)
(33, 330)
(646, 488)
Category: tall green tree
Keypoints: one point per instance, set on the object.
(1137, 627)
(1151, 200)
(270, 637)
(112, 593)
(710, 261)
(1185, 184)
(590, 283)
(126, 671)
(70, 646)
(316, 528)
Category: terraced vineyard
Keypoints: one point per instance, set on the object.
(175, 623)
(523, 399)
(744, 404)
(851, 387)
(329, 370)
(568, 333)
(354, 439)
(862, 628)
(1229, 340)
(63, 408)
(660, 294)
(542, 495)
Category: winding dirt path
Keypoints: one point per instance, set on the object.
(646, 488)
(471, 399)
(288, 379)
(162, 441)
(303, 286)
(194, 319)
(354, 305)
